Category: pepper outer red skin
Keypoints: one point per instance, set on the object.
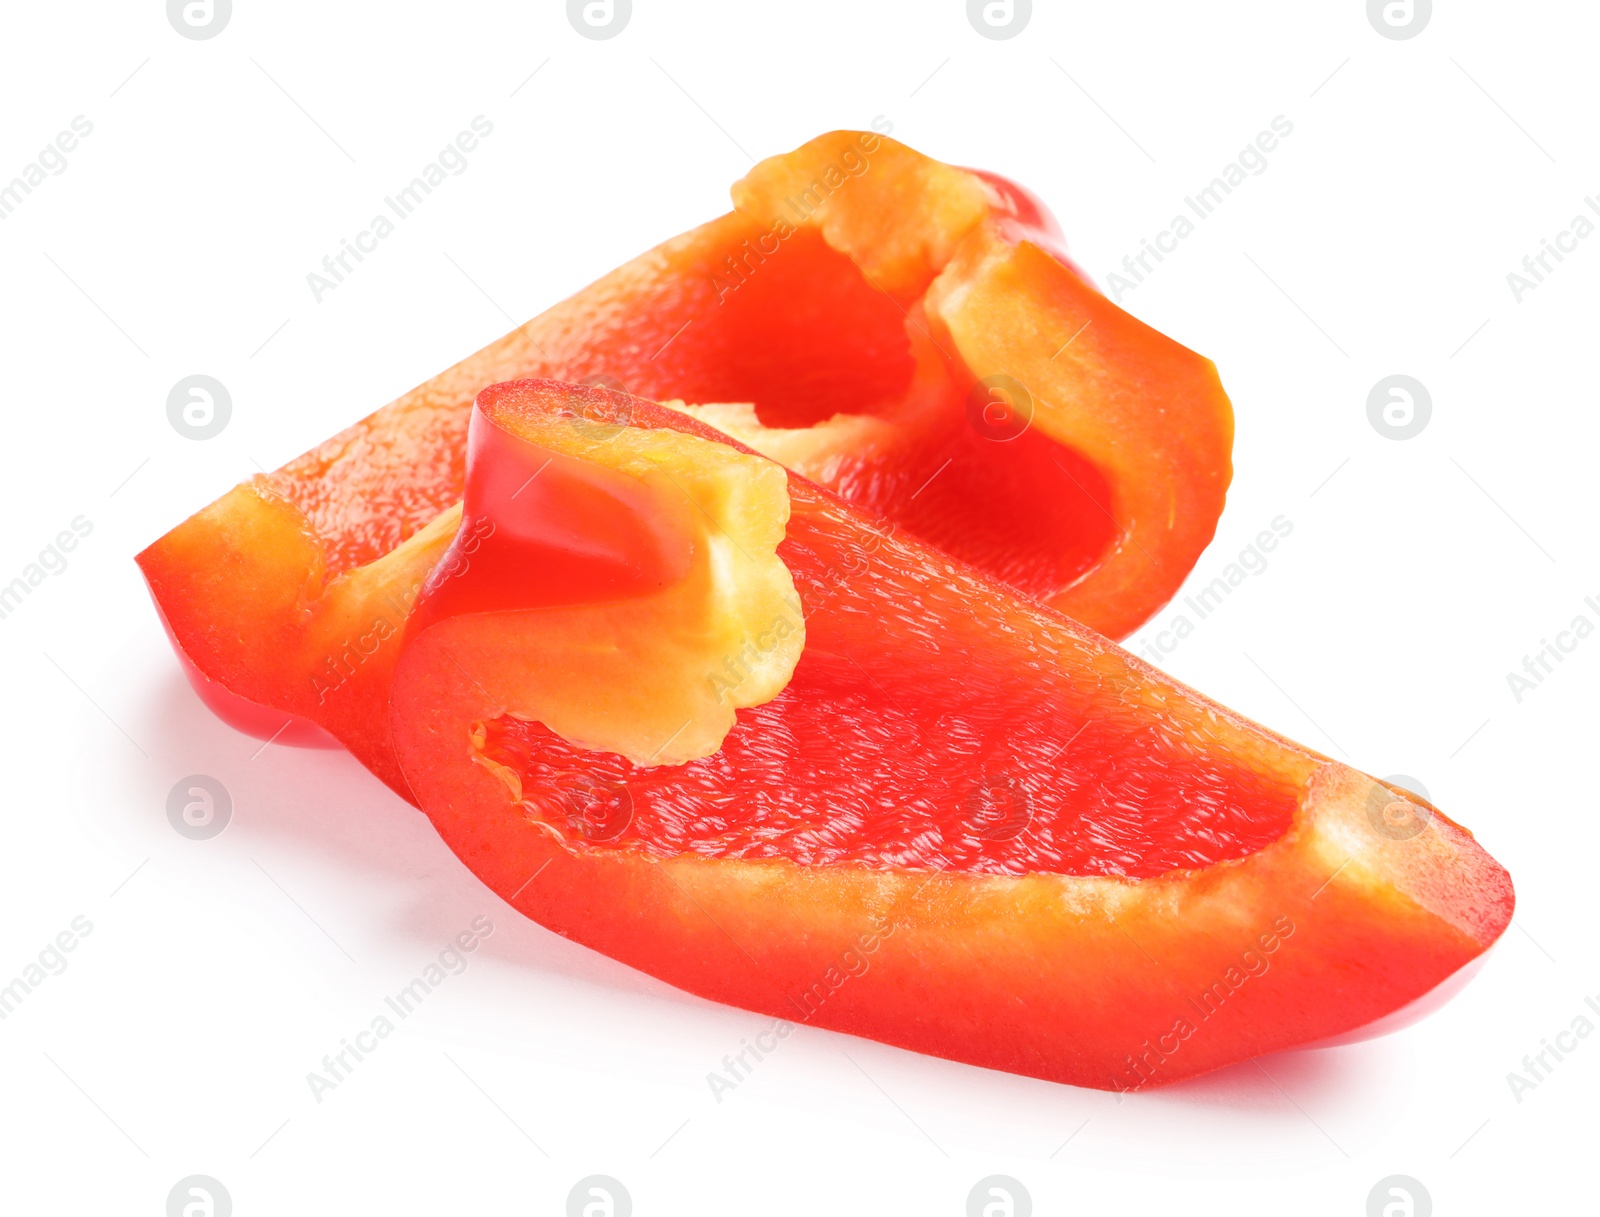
(1094, 980)
(264, 592)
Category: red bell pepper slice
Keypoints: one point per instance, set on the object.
(967, 826)
(890, 283)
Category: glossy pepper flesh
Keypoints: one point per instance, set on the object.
(891, 320)
(967, 825)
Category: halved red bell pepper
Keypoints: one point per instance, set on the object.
(906, 333)
(967, 825)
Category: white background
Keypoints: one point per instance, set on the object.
(1418, 574)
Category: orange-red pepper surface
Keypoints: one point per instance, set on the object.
(967, 826)
(910, 334)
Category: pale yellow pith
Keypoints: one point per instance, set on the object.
(814, 452)
(657, 678)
